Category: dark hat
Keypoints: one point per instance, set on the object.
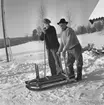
(47, 21)
(62, 21)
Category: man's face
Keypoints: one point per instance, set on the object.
(63, 26)
(45, 25)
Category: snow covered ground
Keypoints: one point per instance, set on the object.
(90, 91)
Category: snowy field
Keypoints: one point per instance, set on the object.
(90, 91)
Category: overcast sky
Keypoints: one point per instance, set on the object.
(21, 15)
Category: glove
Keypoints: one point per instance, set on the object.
(63, 54)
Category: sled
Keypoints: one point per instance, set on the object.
(47, 82)
(46, 79)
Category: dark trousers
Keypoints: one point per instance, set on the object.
(75, 54)
(54, 61)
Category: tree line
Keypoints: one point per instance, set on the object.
(97, 26)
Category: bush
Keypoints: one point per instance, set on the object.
(81, 30)
(98, 25)
(88, 28)
(35, 35)
(93, 29)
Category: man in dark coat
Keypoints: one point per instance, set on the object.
(52, 45)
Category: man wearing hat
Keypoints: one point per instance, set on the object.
(70, 44)
(52, 45)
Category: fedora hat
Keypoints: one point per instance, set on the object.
(62, 21)
(47, 21)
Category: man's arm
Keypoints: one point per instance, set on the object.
(41, 33)
(42, 36)
(60, 47)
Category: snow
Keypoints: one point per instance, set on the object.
(89, 91)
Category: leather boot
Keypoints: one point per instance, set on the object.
(79, 73)
(71, 72)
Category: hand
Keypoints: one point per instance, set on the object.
(63, 54)
(58, 53)
(39, 31)
(44, 30)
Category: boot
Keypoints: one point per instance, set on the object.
(71, 72)
(79, 73)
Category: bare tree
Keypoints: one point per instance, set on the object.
(70, 18)
(41, 16)
(42, 13)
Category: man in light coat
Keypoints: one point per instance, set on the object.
(70, 44)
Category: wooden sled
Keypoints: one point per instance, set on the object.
(47, 82)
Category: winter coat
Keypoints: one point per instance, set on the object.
(50, 38)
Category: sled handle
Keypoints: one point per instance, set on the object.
(66, 68)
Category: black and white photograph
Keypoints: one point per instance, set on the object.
(51, 52)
